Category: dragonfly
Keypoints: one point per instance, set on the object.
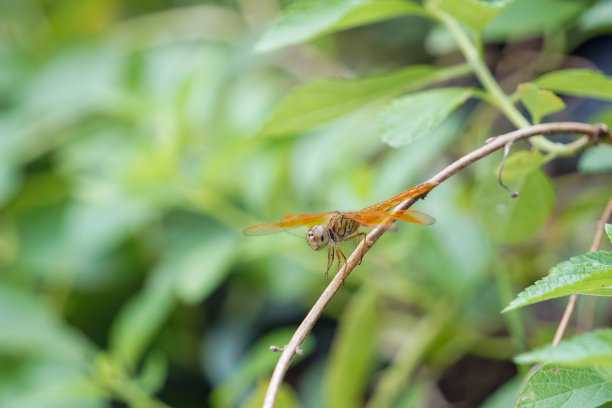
(328, 229)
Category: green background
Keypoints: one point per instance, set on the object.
(136, 143)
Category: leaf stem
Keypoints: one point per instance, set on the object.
(502, 101)
(473, 57)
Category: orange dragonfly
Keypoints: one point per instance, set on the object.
(331, 228)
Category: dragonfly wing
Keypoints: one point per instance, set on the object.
(419, 190)
(287, 216)
(290, 221)
(373, 219)
(415, 217)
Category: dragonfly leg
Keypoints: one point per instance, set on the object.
(365, 237)
(340, 254)
(357, 236)
(330, 260)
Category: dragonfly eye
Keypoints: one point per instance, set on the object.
(317, 238)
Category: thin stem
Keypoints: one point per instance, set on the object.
(567, 314)
(494, 144)
(473, 58)
(571, 304)
(601, 225)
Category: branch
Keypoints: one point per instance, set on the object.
(593, 132)
(571, 304)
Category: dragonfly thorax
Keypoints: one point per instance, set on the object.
(317, 237)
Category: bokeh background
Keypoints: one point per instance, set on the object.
(131, 159)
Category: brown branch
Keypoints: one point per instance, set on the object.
(593, 132)
(571, 304)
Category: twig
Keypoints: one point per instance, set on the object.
(571, 304)
(513, 193)
(492, 145)
(567, 314)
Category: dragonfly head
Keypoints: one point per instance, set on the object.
(317, 237)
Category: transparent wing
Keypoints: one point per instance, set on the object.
(290, 221)
(375, 218)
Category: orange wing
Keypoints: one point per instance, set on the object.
(291, 221)
(374, 218)
(370, 216)
(403, 196)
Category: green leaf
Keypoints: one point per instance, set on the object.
(304, 20)
(509, 219)
(375, 11)
(539, 102)
(9, 180)
(141, 318)
(596, 17)
(580, 82)
(43, 361)
(51, 384)
(609, 231)
(473, 13)
(350, 366)
(584, 350)
(603, 116)
(565, 387)
(504, 396)
(413, 116)
(196, 258)
(596, 159)
(589, 274)
(93, 229)
(320, 101)
(520, 164)
(154, 372)
(34, 329)
(527, 18)
(202, 266)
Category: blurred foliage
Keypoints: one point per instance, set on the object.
(139, 138)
